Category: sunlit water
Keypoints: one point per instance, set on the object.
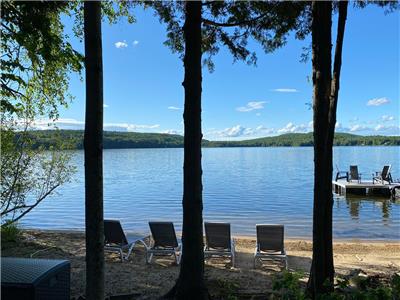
(243, 186)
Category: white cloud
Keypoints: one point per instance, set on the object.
(358, 127)
(120, 44)
(369, 129)
(234, 131)
(388, 129)
(292, 128)
(387, 118)
(174, 108)
(43, 124)
(172, 131)
(105, 105)
(135, 43)
(253, 105)
(66, 123)
(285, 90)
(128, 127)
(237, 132)
(378, 101)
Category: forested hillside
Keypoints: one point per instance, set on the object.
(73, 139)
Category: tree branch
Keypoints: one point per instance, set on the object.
(245, 22)
(337, 64)
(10, 90)
(34, 205)
(208, 3)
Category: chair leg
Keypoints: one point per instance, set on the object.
(233, 259)
(129, 251)
(148, 257)
(121, 254)
(179, 257)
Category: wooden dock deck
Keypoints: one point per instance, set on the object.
(343, 187)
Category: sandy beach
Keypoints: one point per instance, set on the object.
(150, 281)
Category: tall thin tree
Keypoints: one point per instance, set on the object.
(93, 145)
(326, 93)
(190, 284)
(266, 22)
(322, 270)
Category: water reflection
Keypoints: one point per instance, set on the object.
(355, 205)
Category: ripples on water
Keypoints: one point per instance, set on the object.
(243, 186)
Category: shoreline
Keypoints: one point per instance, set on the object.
(136, 277)
(351, 240)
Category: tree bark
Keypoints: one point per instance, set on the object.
(93, 146)
(322, 269)
(190, 284)
(337, 64)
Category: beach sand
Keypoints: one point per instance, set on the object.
(150, 281)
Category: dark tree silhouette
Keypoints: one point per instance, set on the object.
(260, 21)
(322, 270)
(93, 145)
(326, 92)
(190, 284)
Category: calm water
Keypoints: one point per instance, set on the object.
(243, 186)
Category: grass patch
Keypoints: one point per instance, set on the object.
(10, 235)
(223, 289)
(289, 286)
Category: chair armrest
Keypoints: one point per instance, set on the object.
(147, 247)
(180, 245)
(233, 244)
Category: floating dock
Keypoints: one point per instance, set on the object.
(343, 187)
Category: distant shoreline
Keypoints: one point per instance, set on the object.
(73, 140)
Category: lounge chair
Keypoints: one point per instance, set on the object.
(219, 241)
(163, 241)
(384, 176)
(115, 239)
(270, 243)
(341, 174)
(354, 175)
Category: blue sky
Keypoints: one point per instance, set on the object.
(143, 91)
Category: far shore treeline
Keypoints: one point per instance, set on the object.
(73, 139)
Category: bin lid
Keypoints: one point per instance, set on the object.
(28, 270)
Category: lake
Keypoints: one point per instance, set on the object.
(243, 186)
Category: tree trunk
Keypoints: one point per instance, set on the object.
(337, 68)
(93, 145)
(190, 284)
(322, 269)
